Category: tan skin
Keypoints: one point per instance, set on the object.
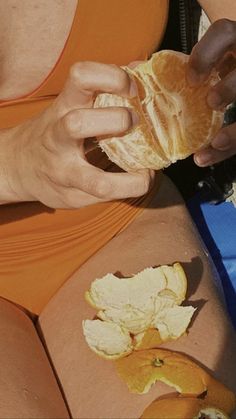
(150, 240)
(31, 153)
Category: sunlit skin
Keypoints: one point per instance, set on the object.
(53, 167)
(44, 160)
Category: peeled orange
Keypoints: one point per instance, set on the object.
(174, 118)
(182, 408)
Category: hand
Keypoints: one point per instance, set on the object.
(48, 160)
(216, 50)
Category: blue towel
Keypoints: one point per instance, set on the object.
(217, 227)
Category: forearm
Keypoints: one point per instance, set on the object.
(218, 9)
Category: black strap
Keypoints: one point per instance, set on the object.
(182, 27)
(189, 18)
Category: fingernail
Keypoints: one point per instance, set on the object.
(221, 142)
(214, 99)
(133, 91)
(194, 78)
(135, 117)
(203, 159)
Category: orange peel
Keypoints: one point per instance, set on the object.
(150, 299)
(182, 408)
(108, 340)
(149, 339)
(141, 369)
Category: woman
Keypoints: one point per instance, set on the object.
(43, 158)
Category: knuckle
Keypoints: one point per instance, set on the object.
(146, 186)
(76, 68)
(125, 119)
(227, 27)
(101, 188)
(73, 122)
(145, 183)
(122, 80)
(229, 134)
(77, 71)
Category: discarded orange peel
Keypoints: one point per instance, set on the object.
(149, 339)
(141, 369)
(182, 408)
(149, 300)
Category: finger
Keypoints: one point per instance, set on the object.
(86, 78)
(134, 64)
(222, 147)
(227, 64)
(109, 186)
(84, 123)
(220, 37)
(223, 93)
(211, 156)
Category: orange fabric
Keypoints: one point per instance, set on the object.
(110, 32)
(40, 248)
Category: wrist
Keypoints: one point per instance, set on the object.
(10, 179)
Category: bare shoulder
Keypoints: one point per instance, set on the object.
(32, 36)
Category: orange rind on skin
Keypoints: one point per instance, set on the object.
(217, 393)
(173, 322)
(141, 369)
(182, 408)
(134, 320)
(169, 324)
(111, 291)
(174, 284)
(149, 339)
(108, 340)
(149, 299)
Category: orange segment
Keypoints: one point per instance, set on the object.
(187, 106)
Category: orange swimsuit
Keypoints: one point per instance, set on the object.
(39, 247)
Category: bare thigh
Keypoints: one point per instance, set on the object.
(28, 387)
(162, 234)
